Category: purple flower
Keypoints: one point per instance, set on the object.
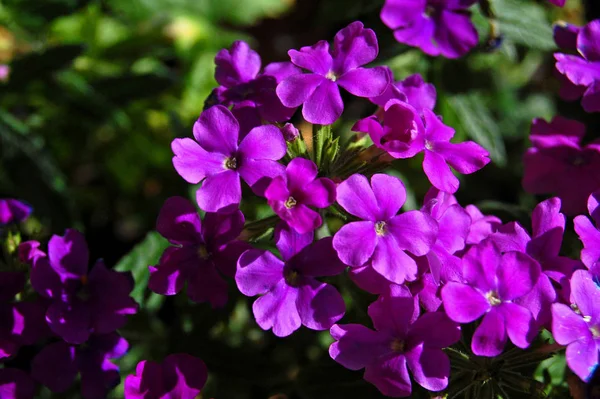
(218, 159)
(58, 364)
(401, 338)
(251, 93)
(493, 282)
(548, 226)
(180, 376)
(81, 303)
(559, 3)
(580, 329)
(384, 237)
(557, 163)
(590, 235)
(584, 69)
(481, 225)
(13, 211)
(291, 295)
(21, 323)
(319, 91)
(454, 223)
(200, 249)
(401, 132)
(412, 90)
(290, 132)
(16, 384)
(404, 134)
(438, 27)
(291, 194)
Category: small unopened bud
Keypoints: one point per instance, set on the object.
(290, 132)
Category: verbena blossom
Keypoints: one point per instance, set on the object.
(80, 302)
(548, 226)
(583, 69)
(179, 376)
(454, 223)
(404, 133)
(249, 92)
(590, 235)
(413, 90)
(21, 323)
(579, 329)
(558, 163)
(13, 211)
(481, 225)
(16, 384)
(201, 252)
(384, 237)
(318, 91)
(292, 194)
(438, 27)
(565, 37)
(401, 341)
(59, 363)
(492, 283)
(290, 293)
(219, 157)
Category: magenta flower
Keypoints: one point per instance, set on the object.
(454, 223)
(291, 295)
(400, 133)
(580, 329)
(81, 303)
(401, 338)
(180, 376)
(59, 363)
(404, 134)
(21, 323)
(438, 27)
(481, 225)
(590, 235)
(318, 90)
(218, 159)
(291, 194)
(200, 252)
(557, 163)
(583, 70)
(413, 90)
(548, 226)
(16, 384)
(384, 237)
(250, 92)
(13, 211)
(493, 282)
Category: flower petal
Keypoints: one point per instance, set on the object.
(354, 46)
(174, 269)
(392, 262)
(318, 259)
(434, 330)
(206, 285)
(221, 192)
(185, 375)
(582, 358)
(356, 196)
(324, 106)
(69, 254)
(439, 173)
(394, 312)
(587, 41)
(315, 58)
(258, 272)
(365, 82)
(71, 321)
(217, 130)
(517, 275)
(55, 366)
(320, 305)
(390, 375)
(463, 303)
(490, 337)
(278, 310)
(586, 294)
(263, 142)
(178, 221)
(430, 367)
(296, 89)
(236, 65)
(346, 238)
(390, 194)
(414, 231)
(568, 326)
(520, 324)
(357, 346)
(193, 163)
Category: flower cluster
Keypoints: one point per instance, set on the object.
(445, 275)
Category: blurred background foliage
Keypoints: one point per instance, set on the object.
(98, 90)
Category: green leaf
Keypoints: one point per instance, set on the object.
(40, 65)
(145, 254)
(477, 122)
(525, 23)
